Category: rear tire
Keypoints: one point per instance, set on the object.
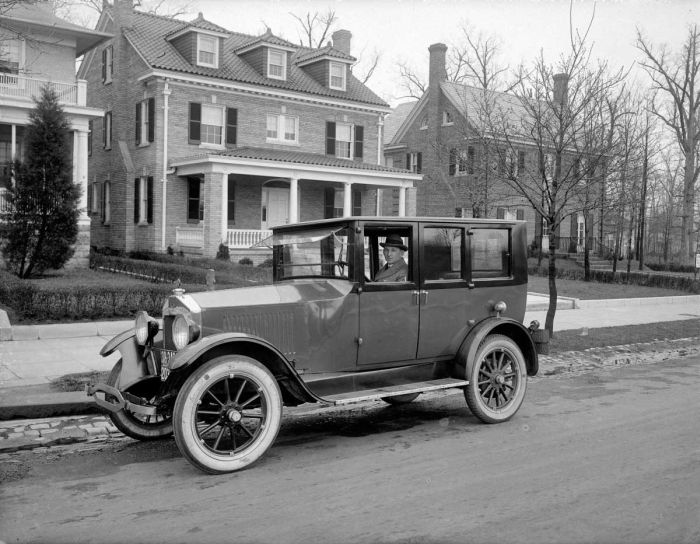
(227, 414)
(134, 425)
(497, 380)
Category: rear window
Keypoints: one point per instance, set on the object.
(490, 253)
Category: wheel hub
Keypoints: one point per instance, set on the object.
(499, 379)
(234, 415)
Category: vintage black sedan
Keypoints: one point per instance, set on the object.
(360, 308)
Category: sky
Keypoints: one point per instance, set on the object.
(401, 30)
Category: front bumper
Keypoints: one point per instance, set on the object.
(113, 400)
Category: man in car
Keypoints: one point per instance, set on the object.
(395, 268)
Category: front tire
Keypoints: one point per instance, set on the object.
(497, 380)
(227, 414)
(135, 425)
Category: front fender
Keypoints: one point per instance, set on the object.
(498, 325)
(246, 344)
(134, 364)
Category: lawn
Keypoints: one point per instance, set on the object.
(593, 290)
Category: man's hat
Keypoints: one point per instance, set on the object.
(394, 240)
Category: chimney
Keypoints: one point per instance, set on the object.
(437, 71)
(341, 40)
(122, 12)
(561, 89)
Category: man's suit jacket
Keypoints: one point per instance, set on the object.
(396, 272)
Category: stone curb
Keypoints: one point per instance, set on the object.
(62, 330)
(601, 303)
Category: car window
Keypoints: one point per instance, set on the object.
(490, 253)
(442, 253)
(313, 253)
(376, 268)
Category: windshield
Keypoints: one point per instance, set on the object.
(321, 252)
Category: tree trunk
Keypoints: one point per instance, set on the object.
(552, 276)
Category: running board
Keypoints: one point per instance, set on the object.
(394, 390)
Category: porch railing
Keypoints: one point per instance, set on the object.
(23, 87)
(245, 238)
(4, 201)
(235, 238)
(189, 236)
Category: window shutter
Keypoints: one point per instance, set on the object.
(357, 203)
(195, 122)
(151, 119)
(104, 65)
(149, 210)
(330, 138)
(408, 161)
(500, 213)
(231, 125)
(101, 201)
(419, 163)
(359, 140)
(104, 131)
(90, 189)
(520, 214)
(89, 138)
(138, 123)
(136, 200)
(453, 162)
(110, 68)
(328, 202)
(538, 228)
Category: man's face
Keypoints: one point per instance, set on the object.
(392, 254)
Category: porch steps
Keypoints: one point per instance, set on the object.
(394, 390)
(596, 263)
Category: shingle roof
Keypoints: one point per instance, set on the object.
(268, 37)
(395, 119)
(298, 157)
(148, 35)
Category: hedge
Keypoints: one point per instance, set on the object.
(171, 269)
(680, 283)
(32, 303)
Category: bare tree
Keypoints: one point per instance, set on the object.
(558, 117)
(678, 77)
(86, 12)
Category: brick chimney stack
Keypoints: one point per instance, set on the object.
(122, 12)
(437, 71)
(561, 89)
(341, 40)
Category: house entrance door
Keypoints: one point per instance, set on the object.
(275, 207)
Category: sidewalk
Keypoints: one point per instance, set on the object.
(41, 353)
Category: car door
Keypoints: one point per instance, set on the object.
(389, 312)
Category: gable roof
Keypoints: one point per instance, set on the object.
(327, 51)
(395, 119)
(148, 35)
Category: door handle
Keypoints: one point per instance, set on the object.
(424, 297)
(416, 299)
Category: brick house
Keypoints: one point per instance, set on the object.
(210, 136)
(444, 139)
(38, 49)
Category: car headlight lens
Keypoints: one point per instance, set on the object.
(141, 326)
(181, 332)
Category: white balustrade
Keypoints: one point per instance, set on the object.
(189, 236)
(245, 238)
(19, 86)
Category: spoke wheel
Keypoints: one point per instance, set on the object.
(497, 380)
(401, 399)
(227, 414)
(139, 426)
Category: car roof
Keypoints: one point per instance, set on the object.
(397, 220)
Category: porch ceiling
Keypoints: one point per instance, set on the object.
(293, 164)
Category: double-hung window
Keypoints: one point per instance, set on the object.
(276, 64)
(106, 202)
(11, 60)
(207, 51)
(143, 200)
(145, 118)
(212, 124)
(343, 140)
(337, 76)
(107, 64)
(107, 130)
(282, 129)
(414, 162)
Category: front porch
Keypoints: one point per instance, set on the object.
(242, 194)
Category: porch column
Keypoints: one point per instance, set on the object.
(294, 200)
(347, 200)
(402, 201)
(224, 209)
(214, 182)
(81, 254)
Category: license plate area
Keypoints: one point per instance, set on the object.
(164, 357)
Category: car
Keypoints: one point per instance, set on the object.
(219, 366)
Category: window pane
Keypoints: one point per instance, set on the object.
(489, 253)
(212, 124)
(442, 254)
(272, 126)
(290, 132)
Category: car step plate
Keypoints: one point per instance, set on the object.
(394, 390)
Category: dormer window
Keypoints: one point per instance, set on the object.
(207, 51)
(277, 64)
(337, 76)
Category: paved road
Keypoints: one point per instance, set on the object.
(611, 455)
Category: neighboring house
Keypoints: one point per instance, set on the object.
(210, 136)
(444, 139)
(37, 49)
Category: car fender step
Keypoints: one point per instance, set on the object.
(393, 391)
